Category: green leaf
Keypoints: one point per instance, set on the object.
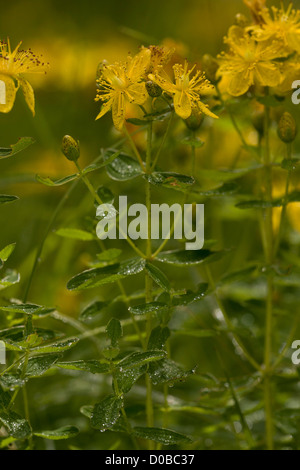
(66, 432)
(197, 143)
(29, 309)
(189, 258)
(107, 274)
(140, 358)
(167, 371)
(224, 190)
(38, 365)
(150, 307)
(92, 310)
(57, 347)
(59, 182)
(137, 122)
(5, 398)
(93, 366)
(106, 413)
(226, 175)
(11, 382)
(4, 199)
(22, 144)
(190, 296)
(87, 411)
(11, 278)
(158, 338)
(127, 378)
(75, 234)
(109, 255)
(7, 251)
(105, 195)
(67, 179)
(170, 180)
(114, 331)
(158, 276)
(15, 425)
(123, 167)
(163, 436)
(258, 204)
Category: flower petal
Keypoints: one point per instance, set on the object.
(28, 94)
(105, 108)
(7, 94)
(182, 104)
(240, 83)
(139, 65)
(118, 111)
(137, 93)
(267, 74)
(205, 110)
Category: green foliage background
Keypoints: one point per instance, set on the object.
(212, 404)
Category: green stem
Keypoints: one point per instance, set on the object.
(148, 282)
(233, 120)
(268, 237)
(228, 322)
(162, 143)
(99, 201)
(127, 423)
(134, 148)
(284, 208)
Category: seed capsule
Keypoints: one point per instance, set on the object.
(153, 89)
(70, 148)
(287, 128)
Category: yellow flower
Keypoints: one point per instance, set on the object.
(160, 56)
(186, 90)
(121, 83)
(13, 64)
(249, 62)
(290, 72)
(284, 26)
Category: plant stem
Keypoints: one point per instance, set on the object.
(148, 281)
(268, 236)
(284, 208)
(163, 140)
(228, 322)
(233, 120)
(134, 148)
(100, 202)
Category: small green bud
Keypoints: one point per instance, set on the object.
(195, 120)
(287, 128)
(210, 67)
(241, 20)
(70, 148)
(153, 89)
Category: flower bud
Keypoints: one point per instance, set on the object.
(153, 89)
(241, 20)
(287, 128)
(210, 67)
(195, 120)
(70, 148)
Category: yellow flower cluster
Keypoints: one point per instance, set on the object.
(123, 83)
(264, 54)
(13, 65)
